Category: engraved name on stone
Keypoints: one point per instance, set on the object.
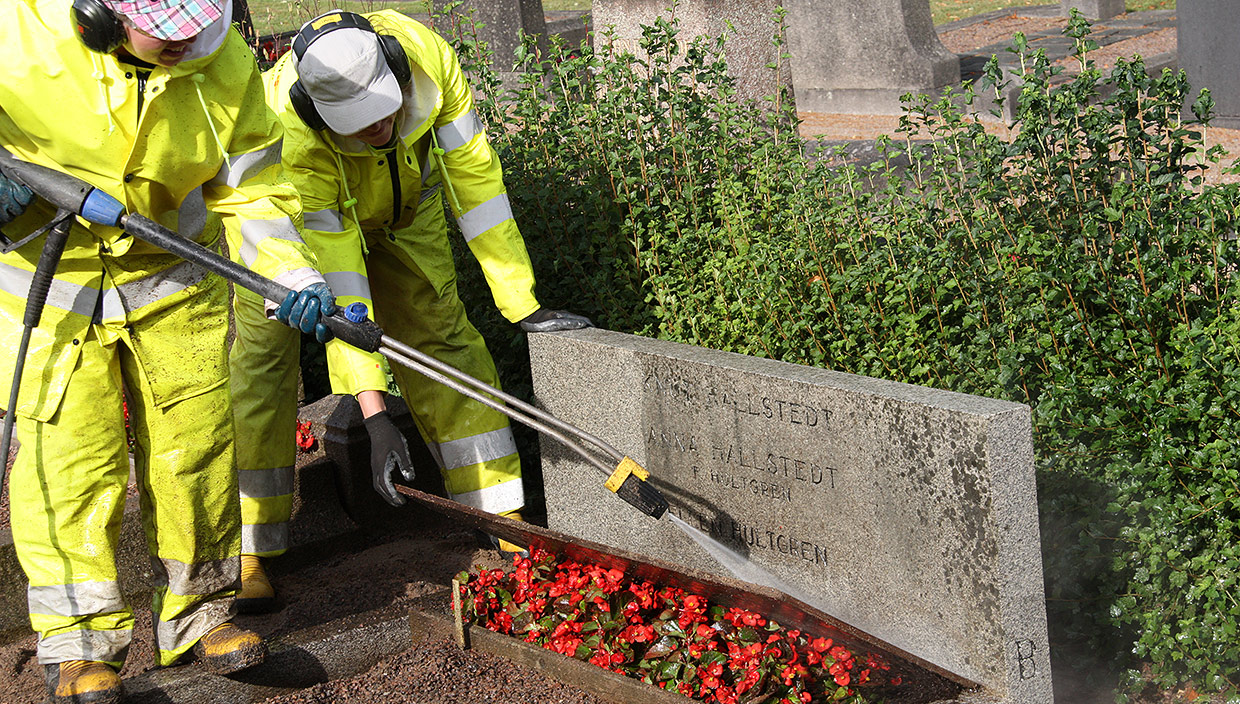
(730, 530)
(705, 394)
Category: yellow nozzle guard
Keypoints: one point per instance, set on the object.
(626, 467)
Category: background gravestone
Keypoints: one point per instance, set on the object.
(502, 20)
(1208, 52)
(749, 25)
(860, 57)
(907, 512)
(1094, 9)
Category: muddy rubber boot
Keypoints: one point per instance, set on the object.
(257, 595)
(82, 682)
(228, 648)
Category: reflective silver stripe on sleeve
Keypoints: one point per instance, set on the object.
(83, 644)
(149, 289)
(203, 578)
(348, 283)
(476, 449)
(79, 599)
(262, 538)
(506, 496)
(459, 132)
(253, 232)
(62, 294)
(180, 632)
(324, 221)
(433, 190)
(265, 483)
(115, 301)
(483, 217)
(110, 306)
(240, 168)
(192, 215)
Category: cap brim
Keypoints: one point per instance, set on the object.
(376, 101)
(176, 23)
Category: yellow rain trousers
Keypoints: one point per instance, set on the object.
(375, 219)
(195, 148)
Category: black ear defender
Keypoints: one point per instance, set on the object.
(98, 27)
(393, 54)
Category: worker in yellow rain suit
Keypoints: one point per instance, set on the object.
(160, 104)
(379, 126)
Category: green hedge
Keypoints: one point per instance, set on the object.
(1081, 265)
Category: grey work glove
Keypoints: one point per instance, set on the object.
(388, 452)
(547, 320)
(14, 198)
(303, 310)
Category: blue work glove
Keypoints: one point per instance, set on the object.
(388, 452)
(547, 320)
(14, 198)
(304, 309)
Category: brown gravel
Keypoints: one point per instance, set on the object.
(438, 672)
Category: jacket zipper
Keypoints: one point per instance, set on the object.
(394, 170)
(142, 77)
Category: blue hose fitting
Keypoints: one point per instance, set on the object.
(356, 312)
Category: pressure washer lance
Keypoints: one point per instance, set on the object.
(627, 479)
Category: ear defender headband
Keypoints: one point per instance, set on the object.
(98, 27)
(393, 54)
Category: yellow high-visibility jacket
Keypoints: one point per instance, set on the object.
(196, 138)
(350, 191)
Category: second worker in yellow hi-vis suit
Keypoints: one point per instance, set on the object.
(379, 127)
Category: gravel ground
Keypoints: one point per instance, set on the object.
(438, 672)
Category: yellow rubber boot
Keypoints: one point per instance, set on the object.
(82, 682)
(228, 648)
(505, 547)
(257, 595)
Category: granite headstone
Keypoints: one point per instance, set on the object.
(907, 512)
(1094, 9)
(1205, 38)
(861, 57)
(748, 24)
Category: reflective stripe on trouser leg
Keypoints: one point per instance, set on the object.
(184, 454)
(409, 309)
(67, 495)
(264, 364)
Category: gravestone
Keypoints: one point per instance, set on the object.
(907, 512)
(1205, 36)
(860, 57)
(1093, 9)
(501, 22)
(748, 24)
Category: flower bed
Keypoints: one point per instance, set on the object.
(667, 636)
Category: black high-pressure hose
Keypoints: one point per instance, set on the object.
(628, 479)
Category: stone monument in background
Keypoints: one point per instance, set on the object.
(907, 512)
(1208, 52)
(749, 24)
(860, 57)
(502, 20)
(1094, 9)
